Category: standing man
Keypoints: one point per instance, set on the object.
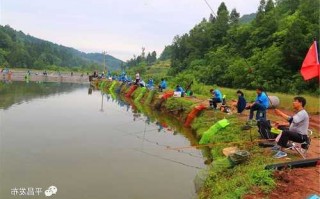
(261, 103)
(298, 129)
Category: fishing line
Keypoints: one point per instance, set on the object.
(144, 135)
(124, 111)
(167, 159)
(167, 146)
(138, 132)
(216, 17)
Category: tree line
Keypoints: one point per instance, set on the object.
(268, 51)
(18, 50)
(142, 60)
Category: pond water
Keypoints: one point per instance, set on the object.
(89, 146)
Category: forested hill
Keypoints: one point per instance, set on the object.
(18, 50)
(268, 51)
(247, 18)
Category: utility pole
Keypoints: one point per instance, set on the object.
(104, 60)
(143, 53)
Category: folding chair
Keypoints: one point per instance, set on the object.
(261, 115)
(301, 148)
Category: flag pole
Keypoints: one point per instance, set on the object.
(317, 56)
(318, 60)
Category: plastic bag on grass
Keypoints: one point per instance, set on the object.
(112, 86)
(141, 94)
(206, 137)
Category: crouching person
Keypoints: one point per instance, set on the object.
(298, 129)
(163, 85)
(180, 90)
(216, 98)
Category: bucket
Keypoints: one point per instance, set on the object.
(239, 157)
(177, 94)
(274, 101)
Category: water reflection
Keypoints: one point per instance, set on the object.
(90, 90)
(64, 140)
(101, 109)
(163, 122)
(20, 92)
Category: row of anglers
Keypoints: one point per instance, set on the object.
(150, 84)
(294, 129)
(7, 71)
(260, 105)
(45, 73)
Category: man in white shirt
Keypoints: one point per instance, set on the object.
(299, 124)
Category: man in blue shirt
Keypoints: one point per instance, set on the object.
(150, 84)
(180, 89)
(261, 103)
(163, 85)
(216, 98)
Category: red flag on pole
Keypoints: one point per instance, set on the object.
(310, 66)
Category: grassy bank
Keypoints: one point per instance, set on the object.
(160, 69)
(223, 180)
(226, 182)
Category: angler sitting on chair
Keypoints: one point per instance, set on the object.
(298, 130)
(216, 98)
(260, 105)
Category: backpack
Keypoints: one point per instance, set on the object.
(224, 108)
(264, 128)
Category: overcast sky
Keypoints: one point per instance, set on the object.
(121, 27)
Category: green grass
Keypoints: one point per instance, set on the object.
(159, 70)
(223, 181)
(313, 102)
(226, 182)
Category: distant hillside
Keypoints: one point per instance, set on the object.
(247, 18)
(111, 62)
(24, 51)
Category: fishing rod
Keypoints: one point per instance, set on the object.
(245, 60)
(220, 143)
(214, 14)
(144, 135)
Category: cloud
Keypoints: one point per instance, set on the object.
(122, 27)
